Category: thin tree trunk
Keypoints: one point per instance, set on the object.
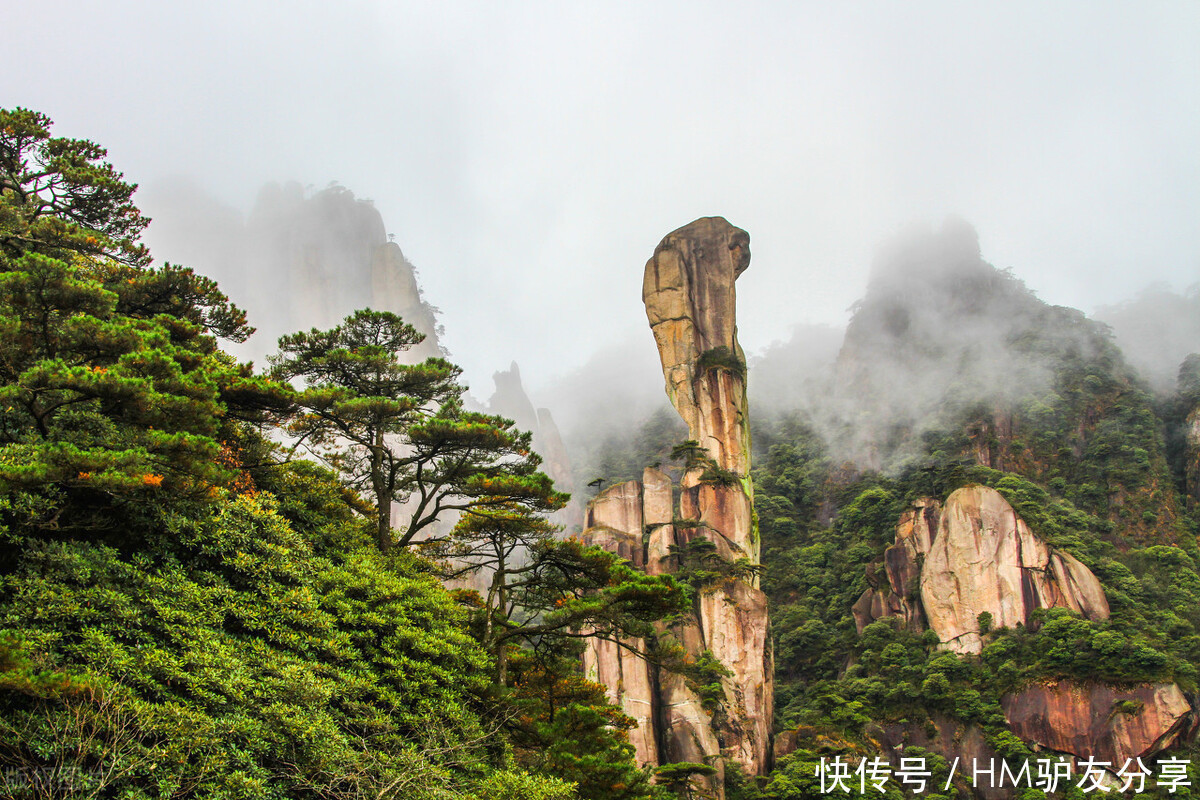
(498, 581)
(383, 498)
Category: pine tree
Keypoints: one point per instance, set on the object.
(399, 431)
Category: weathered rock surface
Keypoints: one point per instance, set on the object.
(734, 621)
(619, 506)
(657, 517)
(688, 290)
(629, 683)
(614, 522)
(1099, 721)
(977, 555)
(984, 558)
(725, 514)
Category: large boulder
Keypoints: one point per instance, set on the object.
(983, 559)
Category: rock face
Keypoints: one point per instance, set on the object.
(614, 522)
(299, 260)
(688, 290)
(900, 595)
(984, 559)
(1099, 721)
(975, 555)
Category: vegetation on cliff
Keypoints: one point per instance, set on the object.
(1071, 439)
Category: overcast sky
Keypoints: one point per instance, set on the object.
(529, 156)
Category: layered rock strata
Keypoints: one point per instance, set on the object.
(689, 294)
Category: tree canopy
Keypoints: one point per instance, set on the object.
(399, 431)
(187, 613)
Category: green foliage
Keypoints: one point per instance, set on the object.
(399, 431)
(572, 588)
(57, 196)
(685, 778)
(721, 358)
(515, 785)
(837, 684)
(117, 402)
(254, 657)
(566, 727)
(704, 675)
(698, 564)
(623, 454)
(184, 615)
(544, 597)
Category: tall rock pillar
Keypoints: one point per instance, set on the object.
(690, 300)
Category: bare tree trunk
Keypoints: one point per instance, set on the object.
(497, 604)
(383, 497)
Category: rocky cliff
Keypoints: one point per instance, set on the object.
(1101, 722)
(299, 260)
(952, 564)
(991, 373)
(974, 556)
(689, 294)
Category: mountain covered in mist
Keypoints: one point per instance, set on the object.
(956, 406)
(981, 473)
(300, 259)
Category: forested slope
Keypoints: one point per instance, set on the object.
(954, 375)
(189, 609)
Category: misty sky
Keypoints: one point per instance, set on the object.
(529, 156)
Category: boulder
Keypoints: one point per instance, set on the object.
(984, 558)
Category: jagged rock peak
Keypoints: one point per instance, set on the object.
(510, 399)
